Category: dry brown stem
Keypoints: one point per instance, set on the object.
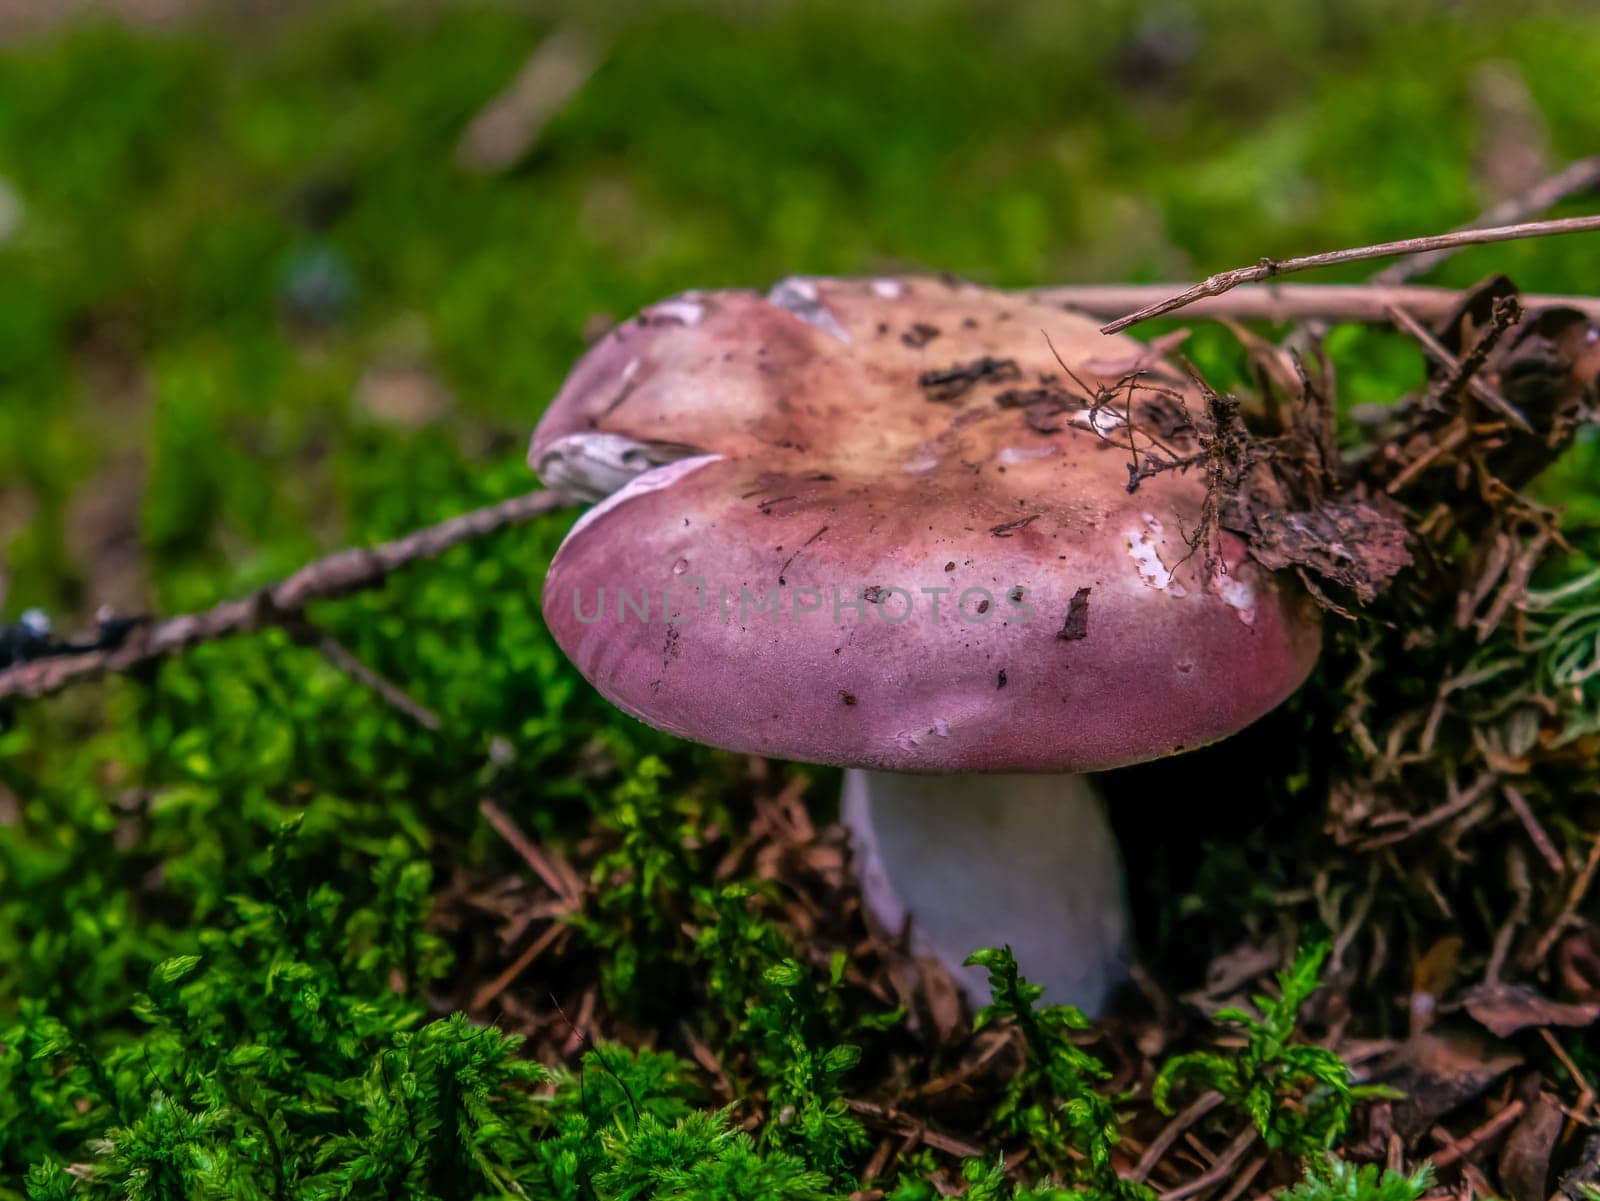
(279, 605)
(1580, 176)
(1226, 281)
(1281, 303)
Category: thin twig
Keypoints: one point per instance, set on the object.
(1580, 888)
(1459, 1148)
(904, 1124)
(578, 1030)
(1449, 444)
(1174, 1130)
(1244, 1179)
(1576, 177)
(508, 127)
(1218, 1171)
(486, 994)
(1586, 1094)
(1517, 874)
(1507, 312)
(565, 884)
(1479, 388)
(878, 1162)
(1226, 281)
(396, 697)
(1580, 176)
(1456, 802)
(1281, 303)
(1536, 832)
(280, 604)
(1516, 582)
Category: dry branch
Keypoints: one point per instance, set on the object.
(1226, 281)
(911, 1127)
(277, 605)
(1459, 1149)
(1580, 176)
(1218, 1171)
(1172, 1132)
(1371, 303)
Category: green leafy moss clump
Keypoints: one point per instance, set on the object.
(1300, 1097)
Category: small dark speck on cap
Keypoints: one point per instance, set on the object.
(1001, 682)
(1076, 625)
(950, 566)
(849, 698)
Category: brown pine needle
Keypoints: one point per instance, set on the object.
(557, 875)
(505, 979)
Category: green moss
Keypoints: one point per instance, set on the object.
(214, 963)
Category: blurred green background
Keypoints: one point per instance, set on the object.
(262, 294)
(253, 305)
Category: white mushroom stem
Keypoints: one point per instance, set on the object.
(970, 861)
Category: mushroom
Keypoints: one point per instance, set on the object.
(876, 524)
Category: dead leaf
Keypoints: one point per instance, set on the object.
(1503, 1009)
(1440, 1071)
(1578, 962)
(942, 998)
(1525, 1158)
(1359, 546)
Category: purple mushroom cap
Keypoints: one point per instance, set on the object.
(880, 526)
